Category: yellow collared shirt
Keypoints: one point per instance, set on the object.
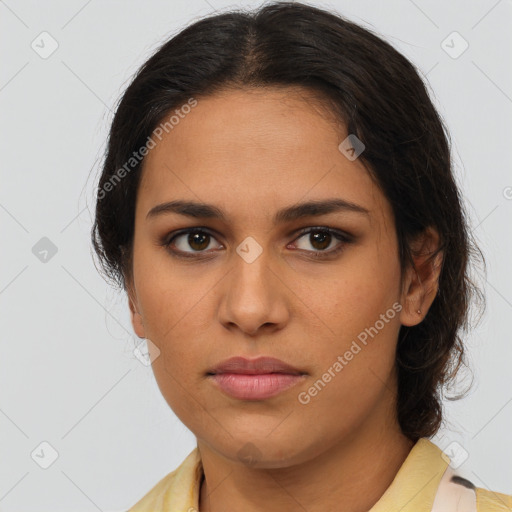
(412, 490)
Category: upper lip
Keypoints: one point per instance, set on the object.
(254, 366)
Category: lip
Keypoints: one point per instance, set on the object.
(258, 366)
(254, 379)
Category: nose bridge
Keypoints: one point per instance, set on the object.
(251, 272)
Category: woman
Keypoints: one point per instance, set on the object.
(278, 203)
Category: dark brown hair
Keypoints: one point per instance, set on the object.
(378, 95)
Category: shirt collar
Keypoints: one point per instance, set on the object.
(415, 485)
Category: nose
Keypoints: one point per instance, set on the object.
(253, 297)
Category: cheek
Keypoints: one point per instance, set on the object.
(353, 375)
(169, 297)
(355, 294)
(171, 376)
(360, 307)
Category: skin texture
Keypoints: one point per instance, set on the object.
(250, 153)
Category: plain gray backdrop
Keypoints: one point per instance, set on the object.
(69, 378)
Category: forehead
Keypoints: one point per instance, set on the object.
(236, 124)
(255, 147)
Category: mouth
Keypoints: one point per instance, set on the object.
(256, 379)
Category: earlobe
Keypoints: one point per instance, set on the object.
(422, 279)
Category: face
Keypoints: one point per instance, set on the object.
(319, 292)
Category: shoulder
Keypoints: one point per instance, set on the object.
(177, 491)
(490, 501)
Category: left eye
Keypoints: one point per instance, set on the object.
(321, 239)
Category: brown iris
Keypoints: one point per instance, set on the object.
(321, 238)
(201, 239)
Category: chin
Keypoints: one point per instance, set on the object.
(264, 451)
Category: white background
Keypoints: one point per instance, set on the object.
(68, 374)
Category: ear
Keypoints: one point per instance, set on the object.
(136, 317)
(422, 279)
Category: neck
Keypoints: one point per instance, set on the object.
(354, 472)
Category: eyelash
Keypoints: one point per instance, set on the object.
(342, 237)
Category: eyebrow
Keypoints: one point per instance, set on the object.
(307, 209)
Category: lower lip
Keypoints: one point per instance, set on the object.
(255, 387)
